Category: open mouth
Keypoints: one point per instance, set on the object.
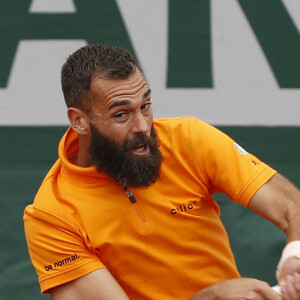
(140, 149)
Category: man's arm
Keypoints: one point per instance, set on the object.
(279, 201)
(98, 285)
(236, 289)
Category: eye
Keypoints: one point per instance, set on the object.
(146, 106)
(120, 115)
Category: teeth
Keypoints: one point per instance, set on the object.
(140, 148)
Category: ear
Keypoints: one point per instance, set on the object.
(79, 120)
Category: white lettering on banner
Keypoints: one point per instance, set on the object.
(46, 6)
(293, 7)
(244, 93)
(34, 95)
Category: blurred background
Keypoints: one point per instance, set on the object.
(233, 63)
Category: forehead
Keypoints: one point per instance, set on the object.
(107, 91)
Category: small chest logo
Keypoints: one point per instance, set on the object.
(183, 208)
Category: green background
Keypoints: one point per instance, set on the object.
(26, 154)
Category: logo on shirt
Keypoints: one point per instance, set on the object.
(240, 149)
(254, 162)
(183, 208)
(62, 262)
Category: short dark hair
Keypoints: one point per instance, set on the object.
(106, 61)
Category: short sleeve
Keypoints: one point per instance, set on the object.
(226, 166)
(57, 249)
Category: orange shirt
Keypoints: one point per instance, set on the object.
(171, 242)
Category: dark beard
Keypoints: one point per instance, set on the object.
(120, 165)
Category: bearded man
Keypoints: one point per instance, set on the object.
(127, 210)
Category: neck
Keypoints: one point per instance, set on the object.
(83, 156)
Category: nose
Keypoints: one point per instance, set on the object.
(140, 125)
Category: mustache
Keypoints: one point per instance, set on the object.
(139, 139)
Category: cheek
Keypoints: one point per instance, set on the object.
(118, 133)
(149, 120)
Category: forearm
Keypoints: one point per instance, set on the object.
(279, 201)
(235, 289)
(293, 221)
(208, 293)
(291, 205)
(97, 285)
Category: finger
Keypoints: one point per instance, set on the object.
(289, 291)
(297, 282)
(251, 296)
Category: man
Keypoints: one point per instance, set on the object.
(126, 212)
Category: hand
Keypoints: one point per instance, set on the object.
(237, 289)
(289, 279)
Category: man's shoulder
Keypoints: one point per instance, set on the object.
(46, 192)
(47, 206)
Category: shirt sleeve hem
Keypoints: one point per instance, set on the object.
(67, 276)
(255, 184)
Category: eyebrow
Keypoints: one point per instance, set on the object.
(126, 102)
(118, 103)
(147, 93)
